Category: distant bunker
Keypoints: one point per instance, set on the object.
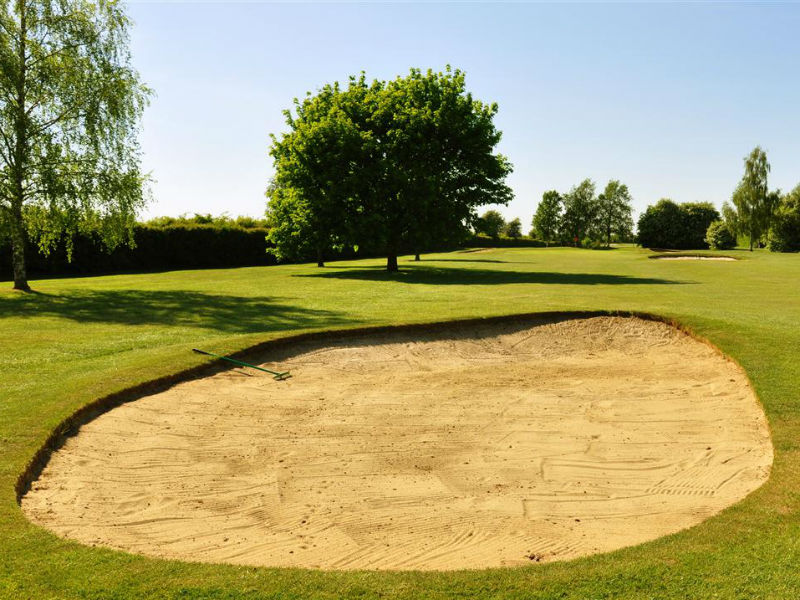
(692, 257)
(469, 446)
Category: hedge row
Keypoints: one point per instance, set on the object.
(187, 247)
(484, 241)
(156, 249)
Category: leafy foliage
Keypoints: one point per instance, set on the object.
(491, 223)
(731, 218)
(392, 165)
(70, 105)
(482, 240)
(754, 204)
(720, 237)
(697, 217)
(580, 212)
(680, 226)
(513, 229)
(155, 248)
(614, 211)
(221, 221)
(548, 216)
(785, 233)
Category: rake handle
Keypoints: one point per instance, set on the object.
(277, 375)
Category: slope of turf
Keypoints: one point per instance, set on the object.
(79, 339)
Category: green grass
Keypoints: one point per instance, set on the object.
(79, 339)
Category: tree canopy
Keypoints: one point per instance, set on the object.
(547, 218)
(785, 233)
(614, 212)
(754, 205)
(70, 104)
(491, 223)
(395, 165)
(681, 226)
(513, 228)
(580, 211)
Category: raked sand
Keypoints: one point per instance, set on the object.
(479, 446)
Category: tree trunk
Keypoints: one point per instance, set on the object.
(320, 258)
(417, 258)
(18, 251)
(391, 262)
(19, 162)
(751, 237)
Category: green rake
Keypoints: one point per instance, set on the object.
(275, 374)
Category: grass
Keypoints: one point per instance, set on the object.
(79, 339)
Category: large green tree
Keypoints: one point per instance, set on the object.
(316, 173)
(433, 160)
(754, 205)
(580, 212)
(70, 105)
(614, 212)
(548, 216)
(416, 161)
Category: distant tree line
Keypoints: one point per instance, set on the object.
(492, 224)
(756, 214)
(392, 166)
(222, 221)
(764, 217)
(581, 217)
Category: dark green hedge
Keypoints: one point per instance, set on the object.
(484, 241)
(157, 249)
(191, 247)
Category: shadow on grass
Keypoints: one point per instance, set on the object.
(232, 314)
(455, 276)
(466, 260)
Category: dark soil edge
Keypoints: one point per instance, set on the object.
(72, 424)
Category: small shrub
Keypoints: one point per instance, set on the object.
(720, 237)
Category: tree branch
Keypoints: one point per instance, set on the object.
(58, 51)
(9, 148)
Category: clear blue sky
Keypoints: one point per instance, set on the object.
(668, 98)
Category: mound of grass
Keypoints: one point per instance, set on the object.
(79, 339)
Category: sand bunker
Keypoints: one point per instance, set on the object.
(478, 446)
(723, 258)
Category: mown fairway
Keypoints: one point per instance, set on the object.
(79, 339)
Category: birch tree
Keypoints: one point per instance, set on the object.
(70, 105)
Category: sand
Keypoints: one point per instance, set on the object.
(722, 258)
(480, 446)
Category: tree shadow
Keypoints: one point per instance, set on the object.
(466, 260)
(456, 276)
(231, 314)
